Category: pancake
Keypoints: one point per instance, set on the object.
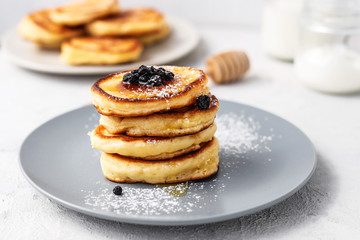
(112, 97)
(155, 37)
(183, 121)
(82, 12)
(193, 166)
(39, 28)
(132, 22)
(95, 50)
(150, 147)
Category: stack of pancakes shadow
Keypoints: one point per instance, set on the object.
(159, 133)
(95, 31)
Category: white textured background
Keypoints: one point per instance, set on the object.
(200, 12)
(326, 208)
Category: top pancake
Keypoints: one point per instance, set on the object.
(132, 22)
(82, 12)
(112, 97)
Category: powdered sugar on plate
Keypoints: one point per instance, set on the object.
(237, 134)
(141, 199)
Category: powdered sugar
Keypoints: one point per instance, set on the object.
(93, 121)
(151, 200)
(163, 91)
(237, 134)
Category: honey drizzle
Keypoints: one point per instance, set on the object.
(175, 189)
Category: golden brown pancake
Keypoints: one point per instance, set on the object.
(96, 50)
(154, 37)
(151, 148)
(182, 121)
(113, 97)
(195, 165)
(82, 12)
(39, 28)
(132, 22)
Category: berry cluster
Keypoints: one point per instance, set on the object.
(148, 76)
(203, 102)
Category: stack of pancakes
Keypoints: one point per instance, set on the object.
(95, 31)
(156, 134)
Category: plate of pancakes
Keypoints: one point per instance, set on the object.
(157, 148)
(97, 37)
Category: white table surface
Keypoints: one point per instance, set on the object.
(326, 208)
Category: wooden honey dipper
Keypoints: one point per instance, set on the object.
(228, 66)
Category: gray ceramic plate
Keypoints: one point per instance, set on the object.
(263, 160)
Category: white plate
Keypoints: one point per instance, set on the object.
(182, 40)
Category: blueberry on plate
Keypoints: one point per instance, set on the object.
(117, 190)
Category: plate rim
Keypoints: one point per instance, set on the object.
(98, 69)
(154, 220)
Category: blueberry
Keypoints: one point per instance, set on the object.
(154, 81)
(143, 79)
(203, 102)
(160, 70)
(127, 77)
(152, 70)
(142, 67)
(149, 76)
(136, 75)
(134, 79)
(117, 190)
(169, 76)
(143, 70)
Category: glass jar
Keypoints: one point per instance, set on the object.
(280, 22)
(328, 56)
